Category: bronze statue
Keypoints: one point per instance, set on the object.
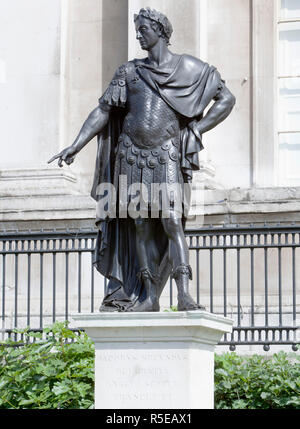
(149, 124)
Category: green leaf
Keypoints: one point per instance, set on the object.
(26, 401)
(226, 384)
(264, 395)
(291, 384)
(3, 383)
(82, 388)
(239, 404)
(60, 388)
(221, 371)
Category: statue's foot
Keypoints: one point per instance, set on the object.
(186, 302)
(147, 305)
(107, 308)
(115, 306)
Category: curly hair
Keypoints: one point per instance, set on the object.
(159, 19)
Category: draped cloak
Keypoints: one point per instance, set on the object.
(188, 89)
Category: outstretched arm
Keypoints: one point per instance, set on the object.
(92, 126)
(223, 105)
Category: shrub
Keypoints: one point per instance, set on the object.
(257, 381)
(48, 373)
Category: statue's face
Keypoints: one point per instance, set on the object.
(145, 34)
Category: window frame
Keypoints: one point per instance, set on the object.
(286, 181)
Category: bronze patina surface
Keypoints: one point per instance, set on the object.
(149, 123)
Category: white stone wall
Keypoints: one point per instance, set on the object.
(228, 146)
(30, 88)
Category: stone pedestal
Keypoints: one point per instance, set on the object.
(154, 360)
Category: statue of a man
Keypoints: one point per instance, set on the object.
(149, 124)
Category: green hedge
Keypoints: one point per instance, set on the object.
(51, 373)
(48, 373)
(257, 381)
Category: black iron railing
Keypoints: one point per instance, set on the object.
(247, 273)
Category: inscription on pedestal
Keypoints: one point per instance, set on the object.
(141, 376)
(115, 356)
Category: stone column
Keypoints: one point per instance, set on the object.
(265, 102)
(30, 89)
(95, 45)
(159, 360)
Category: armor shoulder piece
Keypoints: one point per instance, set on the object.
(129, 70)
(116, 93)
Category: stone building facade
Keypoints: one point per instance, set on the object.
(56, 59)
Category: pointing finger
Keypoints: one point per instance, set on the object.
(53, 158)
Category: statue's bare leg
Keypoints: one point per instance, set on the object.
(179, 257)
(148, 260)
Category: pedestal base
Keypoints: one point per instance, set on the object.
(154, 360)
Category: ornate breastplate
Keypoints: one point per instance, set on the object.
(150, 120)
